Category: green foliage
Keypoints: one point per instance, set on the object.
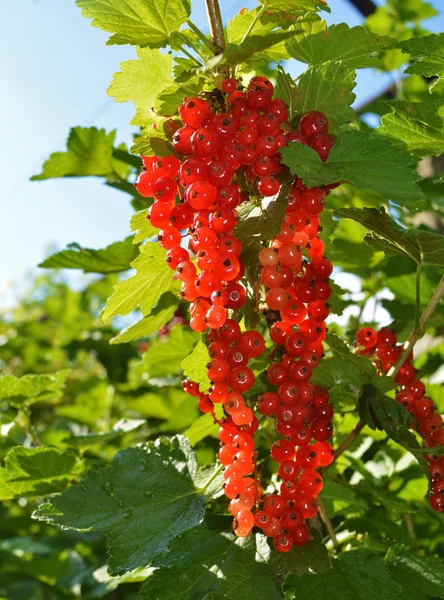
(141, 81)
(354, 47)
(144, 289)
(362, 574)
(112, 259)
(194, 366)
(152, 23)
(427, 52)
(32, 388)
(367, 160)
(84, 408)
(329, 89)
(143, 500)
(147, 326)
(40, 471)
(419, 125)
(89, 152)
(384, 233)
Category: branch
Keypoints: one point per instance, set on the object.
(408, 347)
(328, 525)
(216, 25)
(365, 7)
(418, 332)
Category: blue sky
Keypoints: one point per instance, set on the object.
(55, 70)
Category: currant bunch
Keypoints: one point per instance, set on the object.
(296, 273)
(227, 149)
(384, 350)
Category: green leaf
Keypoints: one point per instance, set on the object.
(287, 90)
(355, 47)
(340, 349)
(141, 502)
(169, 100)
(238, 53)
(141, 81)
(420, 125)
(89, 152)
(194, 366)
(120, 429)
(423, 576)
(141, 224)
(385, 234)
(356, 575)
(32, 388)
(241, 22)
(144, 289)
(138, 22)
(186, 571)
(262, 221)
(379, 411)
(287, 9)
(327, 88)
(367, 160)
(202, 427)
(345, 373)
(112, 259)
(165, 358)
(426, 53)
(37, 471)
(341, 500)
(158, 317)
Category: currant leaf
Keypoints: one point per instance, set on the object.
(369, 161)
(89, 153)
(146, 327)
(422, 246)
(112, 259)
(420, 125)
(30, 472)
(152, 279)
(141, 502)
(141, 81)
(142, 23)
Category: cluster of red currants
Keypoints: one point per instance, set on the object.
(195, 201)
(298, 292)
(382, 347)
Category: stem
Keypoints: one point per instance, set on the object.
(328, 525)
(418, 295)
(416, 334)
(419, 331)
(200, 34)
(411, 530)
(253, 23)
(216, 25)
(193, 58)
(346, 443)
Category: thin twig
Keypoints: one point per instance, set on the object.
(419, 331)
(416, 334)
(411, 530)
(328, 525)
(200, 34)
(346, 443)
(216, 25)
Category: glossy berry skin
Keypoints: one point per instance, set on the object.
(228, 85)
(322, 144)
(367, 337)
(313, 123)
(195, 112)
(282, 450)
(283, 542)
(275, 505)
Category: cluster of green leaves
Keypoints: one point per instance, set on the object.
(97, 436)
